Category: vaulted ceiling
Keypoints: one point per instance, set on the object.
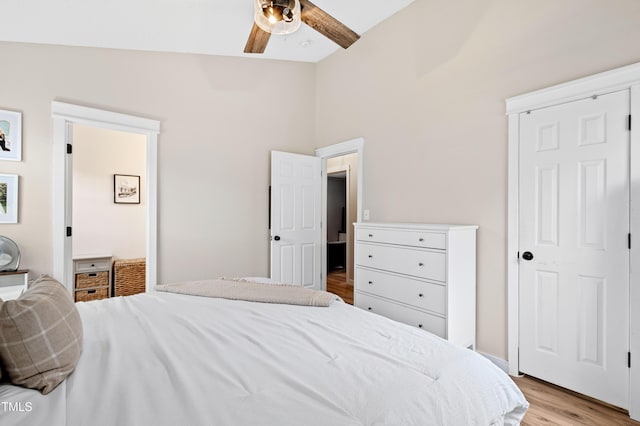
(212, 27)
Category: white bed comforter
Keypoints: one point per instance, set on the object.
(171, 359)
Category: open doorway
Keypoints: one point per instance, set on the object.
(344, 157)
(342, 207)
(109, 212)
(65, 117)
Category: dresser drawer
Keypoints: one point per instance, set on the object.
(423, 295)
(95, 294)
(93, 265)
(420, 263)
(92, 280)
(431, 323)
(406, 238)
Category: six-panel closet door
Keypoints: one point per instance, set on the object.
(574, 253)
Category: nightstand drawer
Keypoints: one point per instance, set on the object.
(92, 280)
(406, 238)
(93, 265)
(423, 320)
(420, 263)
(13, 283)
(95, 294)
(423, 295)
(11, 292)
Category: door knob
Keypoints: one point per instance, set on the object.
(277, 238)
(527, 255)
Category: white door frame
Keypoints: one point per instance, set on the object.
(64, 117)
(347, 169)
(627, 77)
(343, 148)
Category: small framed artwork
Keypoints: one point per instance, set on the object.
(126, 189)
(8, 198)
(10, 135)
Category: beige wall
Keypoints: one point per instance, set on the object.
(100, 226)
(426, 90)
(213, 149)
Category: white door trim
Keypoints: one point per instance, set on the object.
(597, 84)
(634, 279)
(606, 82)
(336, 150)
(64, 117)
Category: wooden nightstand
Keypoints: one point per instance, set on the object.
(13, 283)
(92, 278)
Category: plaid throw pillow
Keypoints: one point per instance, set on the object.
(40, 336)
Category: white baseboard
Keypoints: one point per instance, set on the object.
(499, 362)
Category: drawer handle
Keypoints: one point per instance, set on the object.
(419, 325)
(370, 235)
(421, 239)
(420, 264)
(93, 265)
(369, 308)
(370, 282)
(91, 291)
(420, 295)
(370, 256)
(94, 274)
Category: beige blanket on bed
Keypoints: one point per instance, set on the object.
(252, 292)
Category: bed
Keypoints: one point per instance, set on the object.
(174, 359)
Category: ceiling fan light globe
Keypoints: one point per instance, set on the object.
(277, 17)
(287, 14)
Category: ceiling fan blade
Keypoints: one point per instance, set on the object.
(327, 25)
(257, 41)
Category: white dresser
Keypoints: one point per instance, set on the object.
(419, 274)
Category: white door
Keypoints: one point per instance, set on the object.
(296, 236)
(574, 256)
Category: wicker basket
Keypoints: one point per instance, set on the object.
(128, 276)
(93, 294)
(92, 280)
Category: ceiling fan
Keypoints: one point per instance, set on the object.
(285, 16)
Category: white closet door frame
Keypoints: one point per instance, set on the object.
(627, 77)
(64, 117)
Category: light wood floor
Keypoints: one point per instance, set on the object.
(337, 284)
(552, 405)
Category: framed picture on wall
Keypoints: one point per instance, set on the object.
(10, 135)
(8, 198)
(126, 189)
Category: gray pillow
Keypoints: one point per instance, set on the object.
(40, 336)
